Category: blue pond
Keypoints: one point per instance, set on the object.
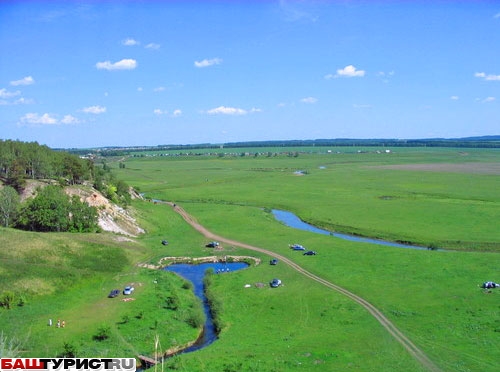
(195, 274)
(291, 220)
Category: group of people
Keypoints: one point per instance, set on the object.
(59, 324)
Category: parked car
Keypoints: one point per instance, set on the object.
(164, 242)
(275, 283)
(128, 290)
(309, 253)
(114, 293)
(212, 245)
(297, 247)
(274, 261)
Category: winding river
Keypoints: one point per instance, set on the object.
(195, 274)
(291, 220)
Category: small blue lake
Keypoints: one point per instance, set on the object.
(195, 274)
(291, 220)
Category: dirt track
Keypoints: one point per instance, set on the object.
(386, 323)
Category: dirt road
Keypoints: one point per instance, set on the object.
(386, 323)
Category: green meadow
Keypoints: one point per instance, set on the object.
(442, 198)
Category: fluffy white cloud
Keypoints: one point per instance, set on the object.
(208, 62)
(223, 110)
(227, 111)
(484, 76)
(153, 46)
(349, 71)
(34, 118)
(4, 93)
(69, 119)
(159, 89)
(454, 98)
(130, 42)
(28, 80)
(309, 100)
(124, 64)
(94, 110)
(489, 99)
(177, 113)
(46, 119)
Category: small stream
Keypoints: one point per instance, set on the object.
(195, 274)
(291, 220)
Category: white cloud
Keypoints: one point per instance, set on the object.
(227, 111)
(159, 112)
(208, 62)
(28, 80)
(130, 42)
(153, 46)
(349, 71)
(33, 118)
(309, 100)
(4, 93)
(94, 110)
(489, 99)
(455, 98)
(174, 114)
(159, 89)
(23, 101)
(490, 77)
(124, 64)
(69, 119)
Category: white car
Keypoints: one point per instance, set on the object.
(128, 290)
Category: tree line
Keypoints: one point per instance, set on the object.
(20, 161)
(52, 209)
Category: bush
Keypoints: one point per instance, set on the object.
(7, 299)
(103, 333)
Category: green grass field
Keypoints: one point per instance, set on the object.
(432, 296)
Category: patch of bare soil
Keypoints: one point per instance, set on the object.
(112, 217)
(473, 167)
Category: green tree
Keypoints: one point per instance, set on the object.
(9, 205)
(83, 216)
(48, 211)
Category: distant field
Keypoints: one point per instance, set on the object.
(432, 296)
(474, 167)
(394, 196)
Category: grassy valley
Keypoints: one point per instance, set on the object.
(432, 296)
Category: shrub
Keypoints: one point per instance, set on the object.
(103, 333)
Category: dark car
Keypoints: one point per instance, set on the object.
(309, 253)
(275, 283)
(164, 242)
(114, 293)
(212, 245)
(274, 261)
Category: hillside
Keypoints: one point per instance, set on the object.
(112, 217)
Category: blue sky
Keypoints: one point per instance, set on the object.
(131, 73)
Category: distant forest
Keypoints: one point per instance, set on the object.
(467, 142)
(20, 161)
